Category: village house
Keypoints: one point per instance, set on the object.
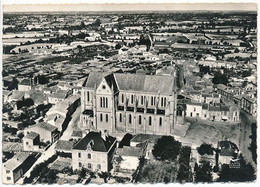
(199, 97)
(142, 138)
(216, 112)
(57, 97)
(31, 141)
(6, 96)
(228, 152)
(129, 103)
(15, 167)
(249, 105)
(57, 114)
(46, 131)
(64, 147)
(25, 85)
(126, 159)
(94, 152)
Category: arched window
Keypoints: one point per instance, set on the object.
(150, 120)
(101, 102)
(120, 117)
(152, 101)
(122, 98)
(142, 100)
(140, 120)
(160, 121)
(106, 117)
(165, 101)
(162, 102)
(88, 95)
(132, 99)
(101, 117)
(106, 102)
(130, 118)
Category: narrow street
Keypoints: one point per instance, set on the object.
(51, 151)
(47, 154)
(73, 125)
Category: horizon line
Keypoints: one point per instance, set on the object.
(83, 7)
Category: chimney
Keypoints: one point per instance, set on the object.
(104, 135)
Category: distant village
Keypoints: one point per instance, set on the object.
(129, 97)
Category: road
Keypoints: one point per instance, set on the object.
(47, 154)
(245, 132)
(51, 151)
(73, 125)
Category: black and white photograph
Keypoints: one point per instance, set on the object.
(137, 93)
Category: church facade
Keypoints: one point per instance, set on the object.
(134, 103)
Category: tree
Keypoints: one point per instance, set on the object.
(253, 144)
(166, 180)
(246, 73)
(244, 173)
(166, 148)
(51, 177)
(104, 175)
(205, 149)
(220, 78)
(204, 69)
(203, 173)
(118, 46)
(20, 135)
(97, 22)
(236, 50)
(82, 173)
(184, 169)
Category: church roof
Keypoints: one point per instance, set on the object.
(145, 83)
(95, 78)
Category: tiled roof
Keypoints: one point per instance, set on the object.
(60, 94)
(6, 92)
(214, 108)
(45, 126)
(210, 95)
(25, 82)
(129, 151)
(145, 83)
(31, 135)
(38, 97)
(16, 161)
(227, 148)
(17, 95)
(221, 86)
(64, 145)
(77, 133)
(99, 144)
(144, 137)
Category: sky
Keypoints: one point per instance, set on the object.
(9, 7)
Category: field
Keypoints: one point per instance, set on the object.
(61, 163)
(159, 172)
(212, 132)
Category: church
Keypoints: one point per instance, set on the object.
(130, 103)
